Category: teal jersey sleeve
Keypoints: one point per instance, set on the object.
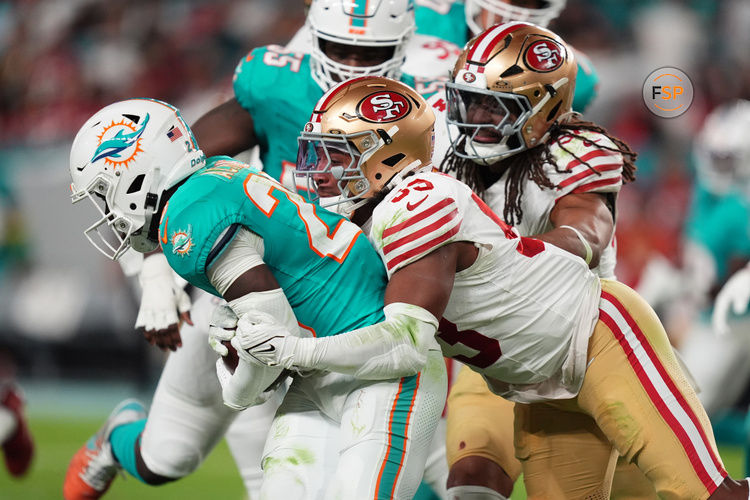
(334, 280)
(720, 224)
(437, 18)
(587, 82)
(277, 89)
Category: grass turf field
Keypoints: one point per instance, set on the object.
(58, 439)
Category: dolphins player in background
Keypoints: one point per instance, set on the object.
(717, 243)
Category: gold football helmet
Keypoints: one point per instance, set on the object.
(509, 86)
(361, 134)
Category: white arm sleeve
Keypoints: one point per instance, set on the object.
(396, 347)
(249, 381)
(244, 252)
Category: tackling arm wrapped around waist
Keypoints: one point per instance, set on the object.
(396, 347)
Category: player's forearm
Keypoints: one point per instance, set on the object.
(396, 347)
(583, 225)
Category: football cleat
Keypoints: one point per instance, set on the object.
(94, 467)
(18, 450)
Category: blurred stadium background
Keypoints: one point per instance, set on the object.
(66, 313)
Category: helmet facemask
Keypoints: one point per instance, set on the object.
(328, 72)
(509, 86)
(113, 233)
(337, 157)
(489, 123)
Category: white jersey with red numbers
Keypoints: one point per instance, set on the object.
(521, 314)
(603, 176)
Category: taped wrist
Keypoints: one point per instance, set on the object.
(396, 347)
(154, 266)
(589, 253)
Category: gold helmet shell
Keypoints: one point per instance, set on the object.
(525, 74)
(380, 125)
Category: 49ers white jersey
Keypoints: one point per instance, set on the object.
(603, 176)
(521, 314)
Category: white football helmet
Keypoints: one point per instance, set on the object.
(722, 151)
(123, 159)
(481, 14)
(367, 23)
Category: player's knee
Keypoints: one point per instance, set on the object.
(283, 479)
(173, 459)
(480, 471)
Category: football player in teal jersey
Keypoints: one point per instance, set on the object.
(274, 90)
(458, 21)
(237, 233)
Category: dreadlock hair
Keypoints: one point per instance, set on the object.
(530, 163)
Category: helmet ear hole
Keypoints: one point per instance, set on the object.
(137, 184)
(392, 161)
(553, 112)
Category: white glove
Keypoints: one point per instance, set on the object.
(222, 328)
(262, 340)
(734, 293)
(162, 297)
(249, 385)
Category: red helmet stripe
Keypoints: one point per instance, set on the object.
(486, 42)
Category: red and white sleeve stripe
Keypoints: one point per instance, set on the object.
(602, 174)
(420, 234)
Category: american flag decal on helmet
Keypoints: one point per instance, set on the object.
(174, 133)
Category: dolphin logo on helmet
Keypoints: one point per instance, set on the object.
(111, 148)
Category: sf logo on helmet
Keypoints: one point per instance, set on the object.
(544, 56)
(384, 106)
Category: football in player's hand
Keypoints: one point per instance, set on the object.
(231, 359)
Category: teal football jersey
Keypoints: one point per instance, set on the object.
(277, 89)
(437, 18)
(332, 277)
(721, 225)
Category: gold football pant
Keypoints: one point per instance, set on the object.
(480, 424)
(634, 397)
(634, 400)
